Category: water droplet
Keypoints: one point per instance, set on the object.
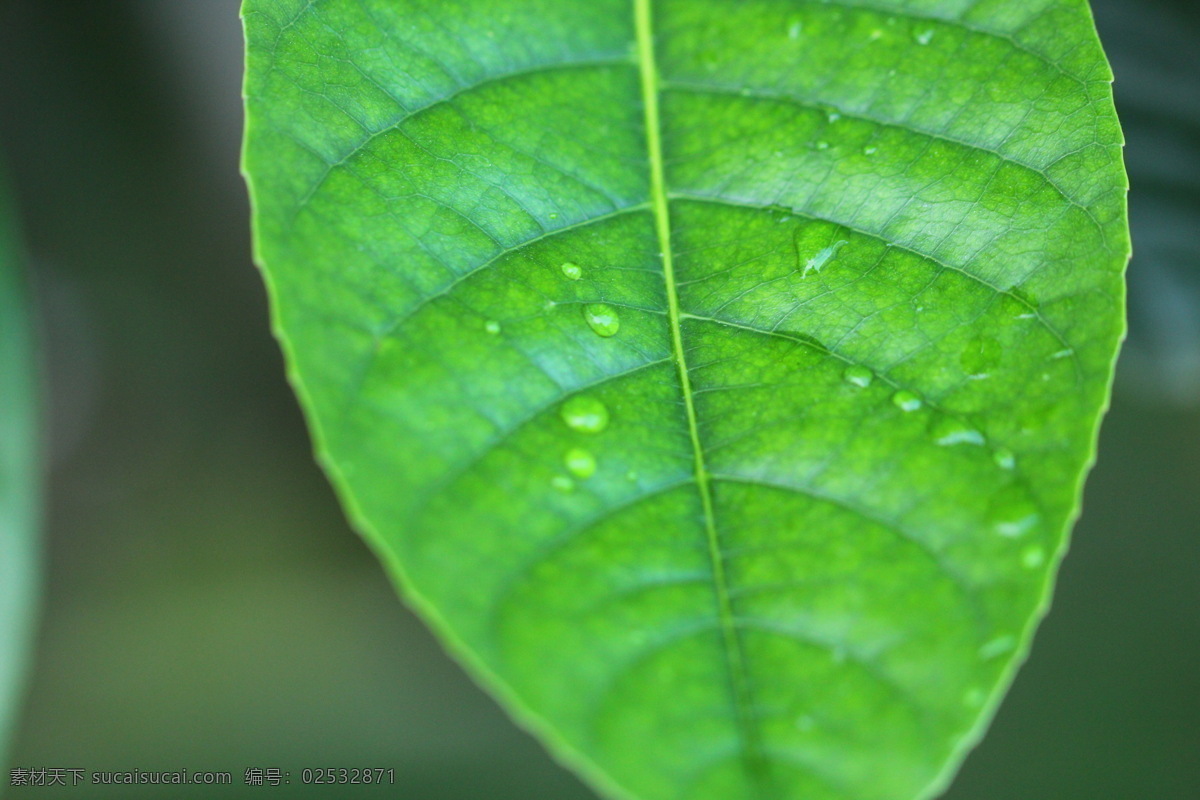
(581, 463)
(553, 215)
(1033, 557)
(858, 375)
(832, 116)
(875, 35)
(1004, 458)
(492, 327)
(906, 401)
(822, 145)
(817, 262)
(795, 29)
(585, 414)
(572, 270)
(924, 37)
(1018, 524)
(1067, 353)
(562, 483)
(980, 356)
(870, 151)
(602, 318)
(949, 432)
(997, 647)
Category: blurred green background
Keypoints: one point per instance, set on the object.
(207, 606)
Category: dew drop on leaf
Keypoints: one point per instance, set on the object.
(1033, 557)
(949, 432)
(859, 376)
(924, 37)
(492, 327)
(980, 356)
(906, 400)
(602, 318)
(572, 270)
(581, 463)
(585, 414)
(870, 151)
(997, 647)
(1004, 458)
(823, 257)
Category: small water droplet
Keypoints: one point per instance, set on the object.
(870, 151)
(906, 401)
(602, 318)
(585, 414)
(1067, 353)
(572, 270)
(980, 356)
(817, 262)
(822, 145)
(492, 327)
(1004, 458)
(1018, 524)
(949, 432)
(562, 483)
(858, 375)
(581, 463)
(876, 35)
(795, 29)
(1033, 557)
(924, 37)
(997, 647)
(553, 215)
(1026, 315)
(832, 116)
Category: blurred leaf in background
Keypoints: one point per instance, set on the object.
(207, 607)
(20, 476)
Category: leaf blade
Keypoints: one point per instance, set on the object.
(904, 213)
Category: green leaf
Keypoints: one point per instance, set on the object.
(20, 484)
(717, 378)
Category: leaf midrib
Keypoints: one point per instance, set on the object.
(750, 744)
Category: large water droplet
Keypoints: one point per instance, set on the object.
(997, 647)
(859, 376)
(906, 401)
(492, 327)
(581, 463)
(602, 318)
(823, 257)
(572, 270)
(585, 414)
(949, 432)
